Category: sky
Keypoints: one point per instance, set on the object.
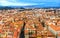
(29, 2)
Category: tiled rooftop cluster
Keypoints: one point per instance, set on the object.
(36, 23)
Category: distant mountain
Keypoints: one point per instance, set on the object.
(3, 7)
(23, 7)
(34, 6)
(10, 7)
(39, 6)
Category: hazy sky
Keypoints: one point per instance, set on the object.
(29, 2)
